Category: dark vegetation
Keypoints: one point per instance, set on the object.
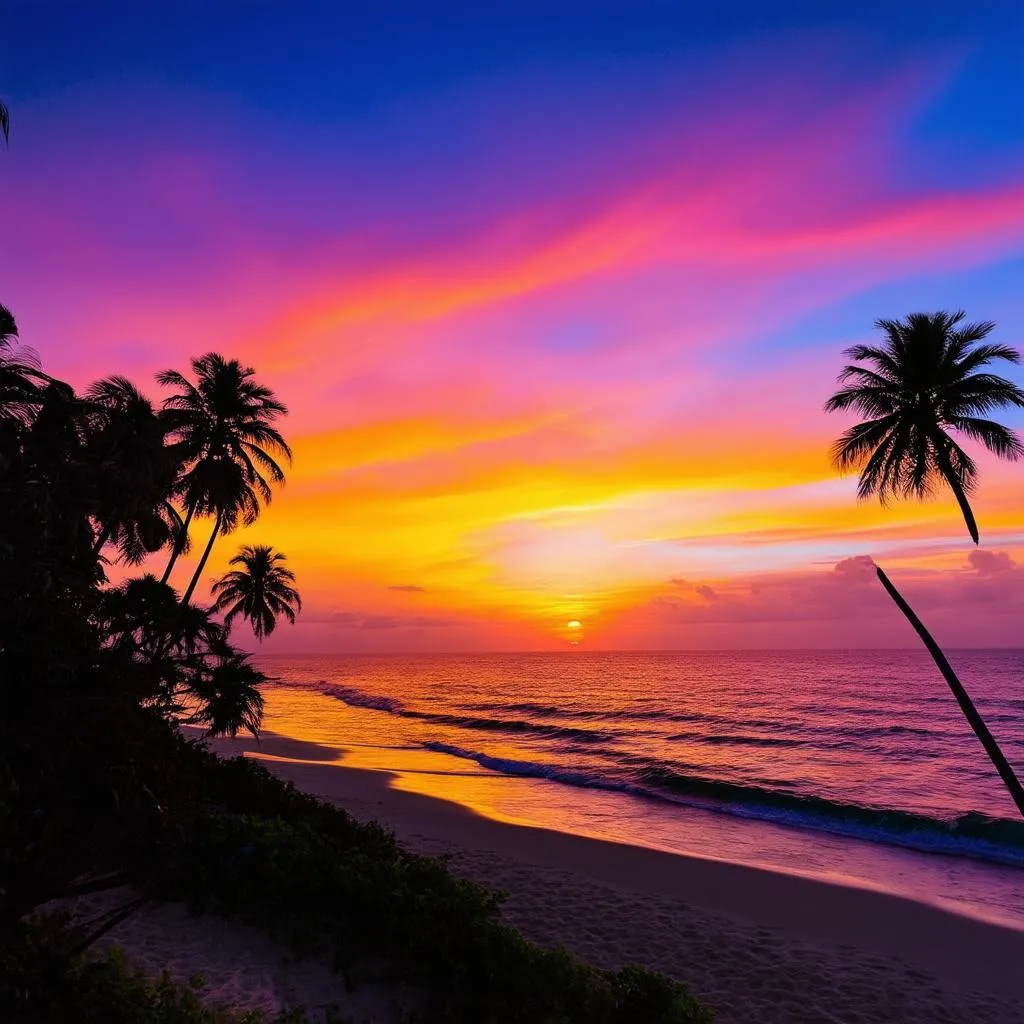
(100, 791)
(924, 386)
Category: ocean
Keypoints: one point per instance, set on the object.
(853, 766)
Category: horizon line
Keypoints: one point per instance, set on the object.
(627, 650)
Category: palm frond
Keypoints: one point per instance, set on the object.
(994, 436)
(982, 355)
(868, 400)
(980, 393)
(8, 327)
(852, 449)
(916, 385)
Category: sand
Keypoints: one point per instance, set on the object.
(758, 947)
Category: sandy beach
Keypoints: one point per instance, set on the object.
(758, 947)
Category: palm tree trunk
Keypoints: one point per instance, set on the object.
(951, 478)
(202, 563)
(179, 543)
(102, 539)
(1006, 773)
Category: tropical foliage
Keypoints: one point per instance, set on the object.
(923, 385)
(99, 790)
(260, 591)
(92, 674)
(223, 436)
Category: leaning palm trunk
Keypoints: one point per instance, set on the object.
(1006, 773)
(179, 543)
(957, 488)
(202, 562)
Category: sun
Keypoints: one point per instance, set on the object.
(574, 624)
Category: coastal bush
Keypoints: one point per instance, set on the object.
(262, 852)
(44, 981)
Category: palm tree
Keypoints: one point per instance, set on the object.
(920, 384)
(21, 380)
(223, 433)
(226, 694)
(136, 472)
(8, 327)
(260, 591)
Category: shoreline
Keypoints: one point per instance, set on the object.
(681, 913)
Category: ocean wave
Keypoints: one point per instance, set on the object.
(360, 699)
(796, 733)
(540, 710)
(516, 725)
(739, 739)
(973, 835)
(529, 769)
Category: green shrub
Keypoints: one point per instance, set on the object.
(43, 982)
(322, 883)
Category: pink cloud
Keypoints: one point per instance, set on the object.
(990, 563)
(858, 569)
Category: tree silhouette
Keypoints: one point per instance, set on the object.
(5, 122)
(21, 380)
(136, 472)
(8, 327)
(227, 693)
(259, 591)
(922, 383)
(223, 433)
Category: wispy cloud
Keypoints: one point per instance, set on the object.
(544, 399)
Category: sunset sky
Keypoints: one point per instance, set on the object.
(555, 300)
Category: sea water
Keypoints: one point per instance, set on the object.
(854, 766)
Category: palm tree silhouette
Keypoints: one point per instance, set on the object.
(136, 472)
(21, 380)
(223, 434)
(923, 383)
(8, 327)
(260, 591)
(228, 695)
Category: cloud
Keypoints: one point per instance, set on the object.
(368, 620)
(409, 588)
(708, 593)
(990, 563)
(681, 583)
(857, 569)
(404, 622)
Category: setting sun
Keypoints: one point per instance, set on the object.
(575, 624)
